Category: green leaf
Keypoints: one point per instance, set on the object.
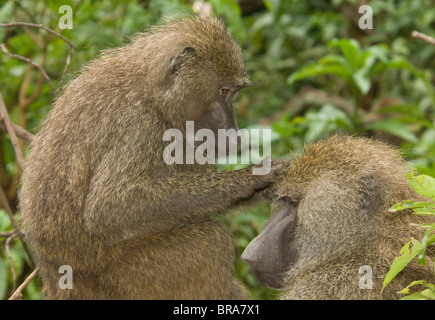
(330, 59)
(407, 204)
(427, 240)
(406, 289)
(262, 22)
(394, 127)
(407, 254)
(285, 129)
(428, 293)
(402, 63)
(425, 211)
(327, 119)
(362, 81)
(430, 286)
(350, 49)
(407, 109)
(414, 296)
(380, 51)
(426, 143)
(315, 70)
(423, 184)
(367, 62)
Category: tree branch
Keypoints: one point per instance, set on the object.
(423, 36)
(11, 262)
(37, 66)
(20, 234)
(17, 295)
(39, 26)
(20, 132)
(57, 34)
(10, 130)
(6, 234)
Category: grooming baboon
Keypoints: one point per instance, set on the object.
(331, 218)
(97, 195)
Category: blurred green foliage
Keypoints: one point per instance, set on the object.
(425, 186)
(314, 71)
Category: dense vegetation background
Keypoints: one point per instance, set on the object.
(315, 72)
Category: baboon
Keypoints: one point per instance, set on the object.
(330, 219)
(97, 195)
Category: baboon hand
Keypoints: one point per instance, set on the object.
(261, 177)
(268, 172)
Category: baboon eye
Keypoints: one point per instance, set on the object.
(225, 91)
(290, 200)
(294, 202)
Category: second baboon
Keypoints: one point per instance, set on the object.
(97, 194)
(330, 235)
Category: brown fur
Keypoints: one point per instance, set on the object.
(345, 186)
(96, 193)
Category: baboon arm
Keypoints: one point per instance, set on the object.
(152, 205)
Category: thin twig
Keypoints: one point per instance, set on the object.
(37, 66)
(20, 234)
(34, 37)
(39, 26)
(20, 132)
(5, 203)
(424, 37)
(10, 130)
(7, 234)
(57, 34)
(23, 100)
(67, 63)
(18, 293)
(11, 262)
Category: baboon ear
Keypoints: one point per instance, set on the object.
(369, 192)
(181, 58)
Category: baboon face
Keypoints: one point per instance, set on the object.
(209, 84)
(270, 254)
(323, 211)
(220, 115)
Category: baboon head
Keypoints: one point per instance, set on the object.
(331, 206)
(198, 70)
